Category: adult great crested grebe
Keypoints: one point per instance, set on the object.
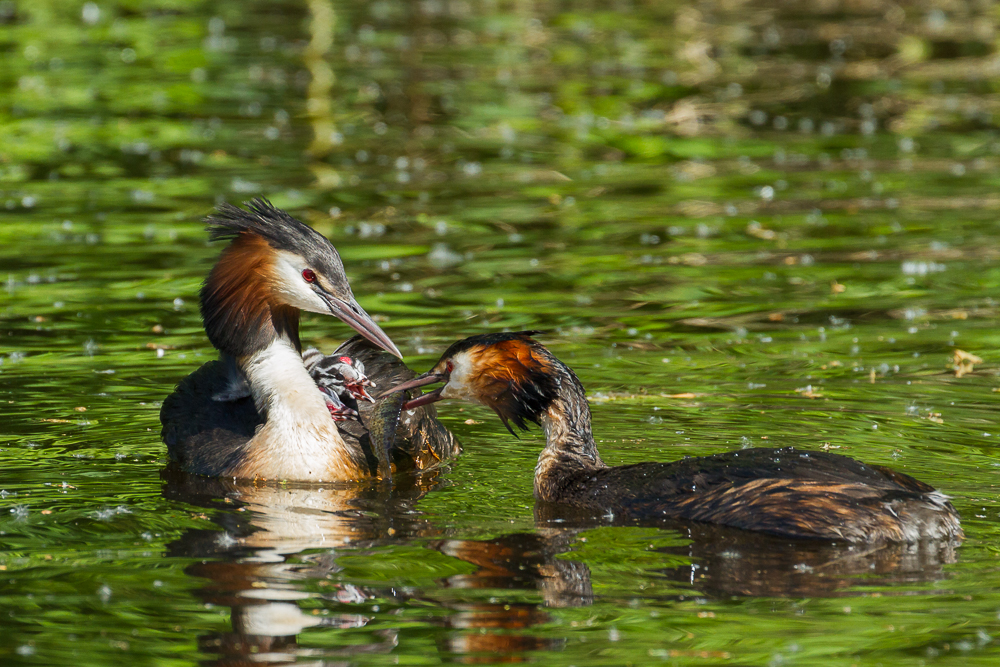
(257, 413)
(785, 491)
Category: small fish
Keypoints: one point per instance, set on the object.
(384, 418)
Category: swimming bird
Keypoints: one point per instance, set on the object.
(257, 413)
(786, 491)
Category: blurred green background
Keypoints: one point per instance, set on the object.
(740, 222)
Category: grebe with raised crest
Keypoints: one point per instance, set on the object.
(787, 491)
(257, 413)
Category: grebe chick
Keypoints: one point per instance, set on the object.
(257, 413)
(342, 381)
(785, 491)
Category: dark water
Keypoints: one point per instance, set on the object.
(741, 223)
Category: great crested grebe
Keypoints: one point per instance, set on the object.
(785, 491)
(257, 413)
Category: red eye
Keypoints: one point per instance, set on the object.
(308, 275)
(450, 366)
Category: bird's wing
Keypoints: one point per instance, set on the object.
(203, 434)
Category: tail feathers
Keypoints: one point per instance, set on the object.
(929, 516)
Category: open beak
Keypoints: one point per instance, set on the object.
(427, 378)
(354, 316)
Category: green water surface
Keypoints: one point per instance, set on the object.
(742, 223)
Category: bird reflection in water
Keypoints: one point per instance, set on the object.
(274, 565)
(727, 562)
(278, 545)
(722, 562)
(718, 562)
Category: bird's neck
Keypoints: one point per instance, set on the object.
(280, 384)
(569, 441)
(298, 440)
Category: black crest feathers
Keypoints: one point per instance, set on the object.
(280, 230)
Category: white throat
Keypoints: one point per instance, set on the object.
(280, 384)
(299, 439)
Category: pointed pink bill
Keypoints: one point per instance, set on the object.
(354, 316)
(421, 380)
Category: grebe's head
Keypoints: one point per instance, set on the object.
(273, 262)
(509, 372)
